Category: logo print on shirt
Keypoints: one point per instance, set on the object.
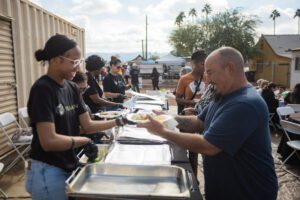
(60, 109)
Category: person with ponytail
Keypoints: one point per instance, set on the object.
(57, 111)
(113, 83)
(93, 96)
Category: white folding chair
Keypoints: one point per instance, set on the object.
(17, 140)
(296, 107)
(290, 127)
(23, 115)
(1, 191)
(283, 112)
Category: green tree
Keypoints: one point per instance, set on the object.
(297, 14)
(232, 28)
(186, 39)
(229, 28)
(274, 15)
(154, 57)
(207, 10)
(179, 19)
(193, 13)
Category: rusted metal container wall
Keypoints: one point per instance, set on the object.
(24, 28)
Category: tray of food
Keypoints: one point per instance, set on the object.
(111, 181)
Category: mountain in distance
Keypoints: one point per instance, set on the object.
(124, 57)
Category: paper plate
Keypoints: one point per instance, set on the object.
(109, 114)
(142, 117)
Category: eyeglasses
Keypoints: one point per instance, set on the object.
(76, 62)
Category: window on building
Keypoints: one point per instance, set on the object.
(297, 63)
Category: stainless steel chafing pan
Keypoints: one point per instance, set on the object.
(110, 181)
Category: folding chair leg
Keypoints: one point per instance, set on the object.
(288, 171)
(3, 193)
(287, 159)
(15, 161)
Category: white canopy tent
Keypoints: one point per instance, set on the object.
(170, 60)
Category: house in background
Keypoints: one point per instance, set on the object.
(138, 60)
(273, 62)
(295, 67)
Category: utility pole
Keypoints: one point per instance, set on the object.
(143, 49)
(146, 38)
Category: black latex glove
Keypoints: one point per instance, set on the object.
(127, 121)
(121, 106)
(121, 96)
(91, 151)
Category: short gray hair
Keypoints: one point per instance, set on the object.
(231, 54)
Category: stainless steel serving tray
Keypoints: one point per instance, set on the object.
(110, 181)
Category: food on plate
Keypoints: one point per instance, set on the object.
(142, 117)
(160, 117)
(139, 117)
(110, 113)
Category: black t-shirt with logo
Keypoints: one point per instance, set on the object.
(114, 84)
(62, 105)
(92, 90)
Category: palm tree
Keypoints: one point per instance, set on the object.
(274, 15)
(207, 10)
(193, 13)
(297, 14)
(179, 19)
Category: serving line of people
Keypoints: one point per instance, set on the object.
(236, 146)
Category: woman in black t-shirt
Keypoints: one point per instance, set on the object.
(113, 83)
(57, 111)
(93, 95)
(155, 78)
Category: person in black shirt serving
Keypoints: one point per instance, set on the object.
(113, 83)
(57, 111)
(93, 95)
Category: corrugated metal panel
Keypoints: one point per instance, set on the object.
(8, 96)
(31, 26)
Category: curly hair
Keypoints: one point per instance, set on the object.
(94, 62)
(79, 77)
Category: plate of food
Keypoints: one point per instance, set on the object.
(109, 114)
(142, 117)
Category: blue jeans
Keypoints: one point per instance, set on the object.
(45, 182)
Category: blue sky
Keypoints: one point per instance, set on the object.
(116, 26)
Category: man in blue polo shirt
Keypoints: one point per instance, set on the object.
(236, 144)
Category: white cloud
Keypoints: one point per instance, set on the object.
(111, 26)
(96, 7)
(285, 24)
(38, 2)
(134, 10)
